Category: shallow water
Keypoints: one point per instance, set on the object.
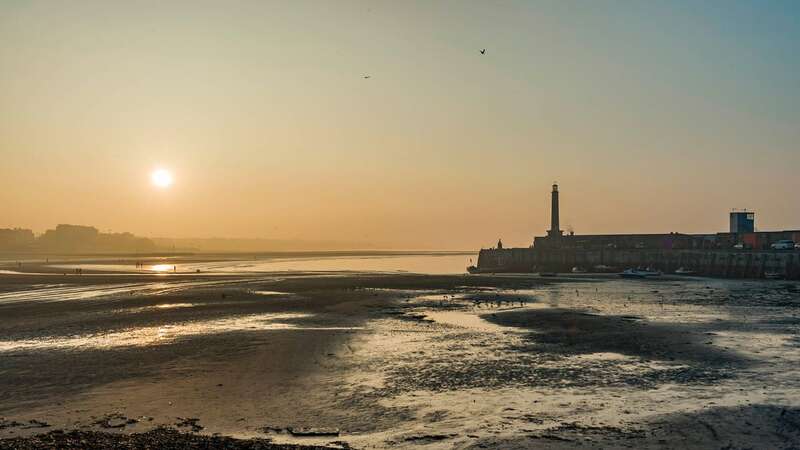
(465, 320)
(66, 292)
(166, 334)
(420, 263)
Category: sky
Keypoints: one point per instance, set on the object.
(653, 116)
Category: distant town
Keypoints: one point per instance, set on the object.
(71, 239)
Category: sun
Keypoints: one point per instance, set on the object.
(161, 178)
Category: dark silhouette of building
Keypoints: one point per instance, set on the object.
(79, 238)
(554, 230)
(16, 239)
(743, 222)
(738, 253)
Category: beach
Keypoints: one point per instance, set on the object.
(394, 359)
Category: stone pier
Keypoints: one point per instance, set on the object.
(716, 263)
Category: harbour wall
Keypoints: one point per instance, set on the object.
(716, 263)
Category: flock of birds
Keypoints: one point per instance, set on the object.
(483, 52)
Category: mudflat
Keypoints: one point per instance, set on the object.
(391, 360)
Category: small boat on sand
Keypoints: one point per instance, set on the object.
(639, 273)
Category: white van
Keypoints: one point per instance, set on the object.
(783, 245)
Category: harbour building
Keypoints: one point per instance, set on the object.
(740, 252)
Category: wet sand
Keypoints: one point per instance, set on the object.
(403, 360)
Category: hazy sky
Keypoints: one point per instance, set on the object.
(654, 116)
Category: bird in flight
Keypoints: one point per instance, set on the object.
(367, 76)
(483, 52)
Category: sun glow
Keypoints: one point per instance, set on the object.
(161, 178)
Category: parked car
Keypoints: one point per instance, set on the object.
(797, 246)
(785, 244)
(739, 246)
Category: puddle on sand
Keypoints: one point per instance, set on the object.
(158, 335)
(14, 272)
(466, 320)
(439, 297)
(60, 292)
(271, 293)
(64, 292)
(159, 307)
(174, 305)
(601, 356)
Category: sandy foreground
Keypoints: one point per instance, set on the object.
(397, 361)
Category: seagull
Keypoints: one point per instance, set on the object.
(483, 52)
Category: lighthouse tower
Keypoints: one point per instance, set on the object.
(554, 230)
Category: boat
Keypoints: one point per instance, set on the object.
(639, 273)
(773, 275)
(602, 268)
(684, 271)
(577, 269)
